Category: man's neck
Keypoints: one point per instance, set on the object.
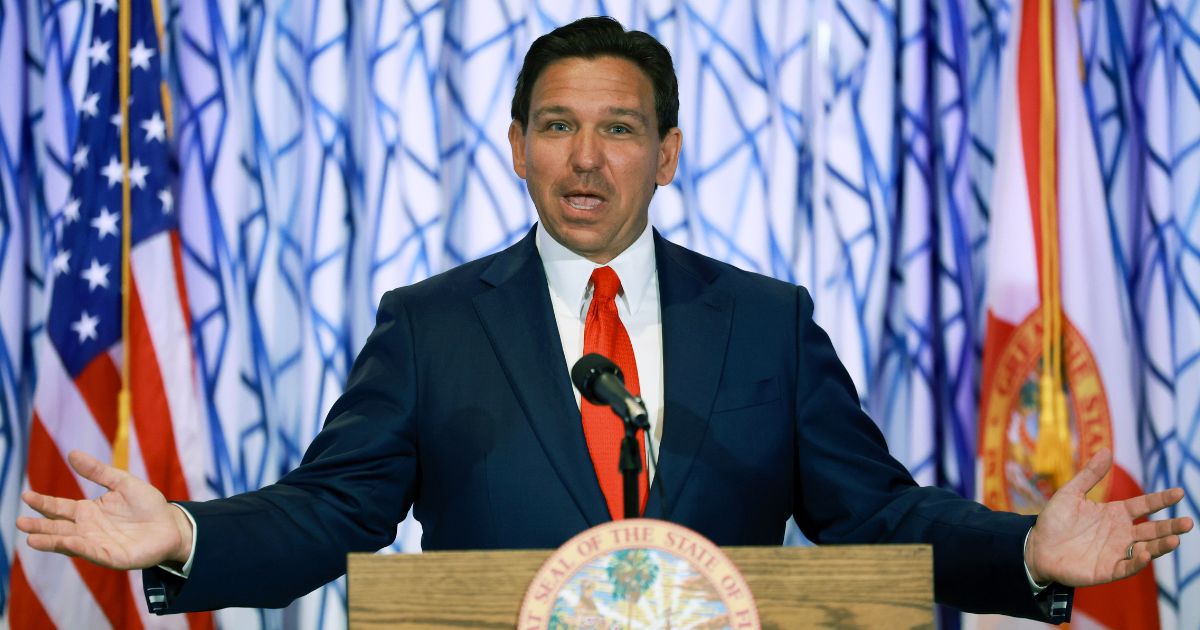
(568, 272)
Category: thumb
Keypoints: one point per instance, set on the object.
(95, 470)
(1092, 473)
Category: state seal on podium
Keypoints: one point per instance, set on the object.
(638, 573)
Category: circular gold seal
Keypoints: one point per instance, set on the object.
(1009, 417)
(638, 573)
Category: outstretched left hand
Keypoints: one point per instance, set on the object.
(1078, 542)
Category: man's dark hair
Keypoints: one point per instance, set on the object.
(594, 37)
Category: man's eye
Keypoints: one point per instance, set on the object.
(557, 126)
(619, 129)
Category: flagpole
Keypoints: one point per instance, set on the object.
(121, 442)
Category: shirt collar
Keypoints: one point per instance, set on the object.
(568, 273)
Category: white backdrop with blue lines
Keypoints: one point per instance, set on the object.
(329, 151)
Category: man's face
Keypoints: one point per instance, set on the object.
(591, 154)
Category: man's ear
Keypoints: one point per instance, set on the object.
(668, 156)
(516, 140)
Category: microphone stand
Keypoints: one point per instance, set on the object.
(631, 457)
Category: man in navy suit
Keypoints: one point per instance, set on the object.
(460, 404)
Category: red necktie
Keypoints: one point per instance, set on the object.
(604, 333)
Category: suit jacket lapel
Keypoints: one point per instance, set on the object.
(520, 323)
(696, 317)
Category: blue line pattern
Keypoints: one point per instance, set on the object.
(329, 151)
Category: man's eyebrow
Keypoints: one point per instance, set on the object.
(551, 110)
(632, 113)
(557, 110)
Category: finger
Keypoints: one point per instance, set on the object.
(95, 470)
(76, 546)
(1158, 529)
(1091, 474)
(1148, 504)
(49, 542)
(48, 506)
(1162, 546)
(32, 526)
(1141, 559)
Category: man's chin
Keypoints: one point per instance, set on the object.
(598, 248)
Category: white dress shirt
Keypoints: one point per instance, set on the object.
(569, 277)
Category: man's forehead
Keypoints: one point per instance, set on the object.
(616, 85)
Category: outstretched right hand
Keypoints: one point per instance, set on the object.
(130, 527)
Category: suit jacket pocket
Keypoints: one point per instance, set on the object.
(742, 395)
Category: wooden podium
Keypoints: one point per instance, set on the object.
(872, 586)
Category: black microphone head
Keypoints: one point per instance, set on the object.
(585, 371)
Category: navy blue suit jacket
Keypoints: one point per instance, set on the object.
(460, 405)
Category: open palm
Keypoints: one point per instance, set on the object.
(1078, 542)
(131, 526)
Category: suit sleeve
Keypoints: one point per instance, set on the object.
(355, 483)
(849, 490)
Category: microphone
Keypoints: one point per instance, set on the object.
(600, 382)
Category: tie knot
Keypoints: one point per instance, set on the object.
(605, 283)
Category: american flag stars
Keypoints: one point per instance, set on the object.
(98, 52)
(90, 105)
(106, 224)
(86, 326)
(61, 263)
(96, 275)
(138, 173)
(167, 199)
(70, 211)
(155, 128)
(113, 171)
(80, 158)
(86, 263)
(139, 56)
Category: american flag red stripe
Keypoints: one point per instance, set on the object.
(81, 355)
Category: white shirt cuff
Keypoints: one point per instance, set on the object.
(184, 571)
(1037, 588)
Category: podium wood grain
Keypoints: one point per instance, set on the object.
(875, 586)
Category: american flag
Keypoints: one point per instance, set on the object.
(89, 338)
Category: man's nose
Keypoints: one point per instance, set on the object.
(586, 152)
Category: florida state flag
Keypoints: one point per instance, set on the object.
(1058, 380)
